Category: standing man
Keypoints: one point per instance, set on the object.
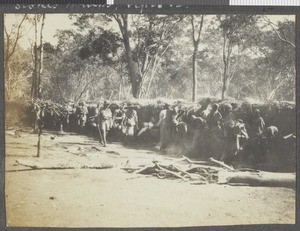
(104, 122)
(258, 123)
(82, 112)
(169, 130)
(162, 123)
(214, 118)
(130, 122)
(117, 122)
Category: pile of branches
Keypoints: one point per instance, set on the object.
(49, 106)
(214, 172)
(273, 112)
(198, 172)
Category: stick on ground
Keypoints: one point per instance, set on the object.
(192, 161)
(168, 171)
(222, 164)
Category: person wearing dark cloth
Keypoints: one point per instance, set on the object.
(167, 135)
(258, 123)
(269, 143)
(214, 118)
(228, 114)
(259, 143)
(118, 117)
(200, 133)
(104, 121)
(162, 123)
(92, 122)
(214, 121)
(117, 122)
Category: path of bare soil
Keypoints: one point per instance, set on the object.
(115, 198)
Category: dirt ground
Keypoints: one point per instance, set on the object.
(114, 198)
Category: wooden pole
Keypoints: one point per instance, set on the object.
(39, 141)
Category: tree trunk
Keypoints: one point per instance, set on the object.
(6, 69)
(10, 48)
(40, 61)
(224, 87)
(225, 73)
(7, 81)
(135, 77)
(35, 68)
(195, 82)
(196, 41)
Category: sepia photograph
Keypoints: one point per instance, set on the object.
(149, 120)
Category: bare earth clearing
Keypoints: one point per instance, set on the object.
(114, 198)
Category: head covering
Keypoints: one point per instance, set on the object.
(257, 112)
(129, 106)
(215, 106)
(177, 104)
(105, 103)
(166, 106)
(228, 107)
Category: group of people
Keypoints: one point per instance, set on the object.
(205, 130)
(216, 130)
(101, 120)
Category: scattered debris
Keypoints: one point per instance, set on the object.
(113, 152)
(52, 137)
(13, 133)
(102, 166)
(184, 158)
(98, 149)
(230, 168)
(200, 173)
(130, 170)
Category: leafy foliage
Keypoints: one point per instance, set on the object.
(115, 56)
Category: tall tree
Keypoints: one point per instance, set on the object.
(12, 38)
(135, 77)
(270, 71)
(37, 56)
(153, 36)
(230, 27)
(196, 33)
(280, 31)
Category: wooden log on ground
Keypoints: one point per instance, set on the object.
(261, 178)
(40, 166)
(103, 166)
